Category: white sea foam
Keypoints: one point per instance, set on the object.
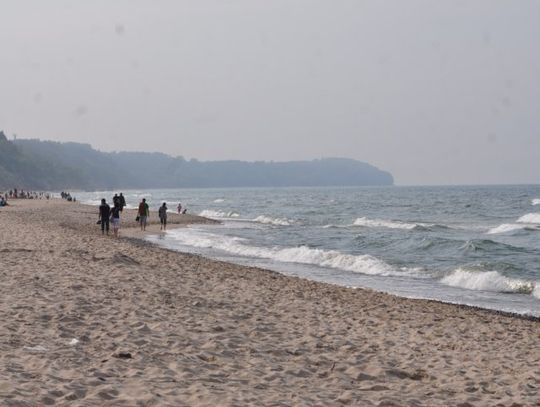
(505, 228)
(364, 264)
(489, 281)
(219, 200)
(536, 291)
(536, 201)
(92, 202)
(528, 221)
(97, 202)
(381, 223)
(334, 226)
(263, 219)
(272, 221)
(530, 218)
(209, 213)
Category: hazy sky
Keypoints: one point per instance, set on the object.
(437, 92)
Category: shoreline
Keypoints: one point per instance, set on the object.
(205, 332)
(135, 237)
(178, 221)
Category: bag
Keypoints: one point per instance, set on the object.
(98, 222)
(137, 218)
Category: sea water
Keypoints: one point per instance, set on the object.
(470, 245)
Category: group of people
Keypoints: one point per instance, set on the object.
(143, 213)
(22, 194)
(108, 214)
(67, 196)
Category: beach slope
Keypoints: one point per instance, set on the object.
(89, 320)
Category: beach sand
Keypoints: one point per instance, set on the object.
(88, 320)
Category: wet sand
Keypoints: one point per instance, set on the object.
(89, 320)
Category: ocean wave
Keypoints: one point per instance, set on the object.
(266, 220)
(395, 224)
(389, 224)
(219, 200)
(536, 201)
(364, 264)
(529, 218)
(505, 228)
(332, 226)
(263, 219)
(479, 245)
(489, 281)
(92, 202)
(381, 223)
(536, 291)
(209, 213)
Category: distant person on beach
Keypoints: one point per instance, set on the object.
(116, 200)
(163, 216)
(122, 202)
(115, 218)
(104, 215)
(179, 208)
(143, 213)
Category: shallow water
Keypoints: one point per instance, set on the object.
(470, 245)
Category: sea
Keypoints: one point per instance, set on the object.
(473, 245)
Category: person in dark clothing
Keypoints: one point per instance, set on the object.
(116, 199)
(104, 214)
(122, 202)
(163, 216)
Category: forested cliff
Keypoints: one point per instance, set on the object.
(48, 165)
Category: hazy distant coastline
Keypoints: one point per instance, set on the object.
(31, 163)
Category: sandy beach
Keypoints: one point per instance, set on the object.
(89, 320)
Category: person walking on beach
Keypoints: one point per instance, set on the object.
(104, 214)
(163, 216)
(144, 212)
(179, 208)
(122, 201)
(115, 218)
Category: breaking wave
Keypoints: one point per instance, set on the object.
(530, 218)
(506, 228)
(530, 221)
(490, 281)
(92, 202)
(265, 220)
(209, 213)
(380, 223)
(536, 201)
(219, 200)
(364, 264)
(395, 224)
(273, 221)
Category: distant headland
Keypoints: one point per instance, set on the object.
(48, 165)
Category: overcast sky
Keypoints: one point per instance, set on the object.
(436, 92)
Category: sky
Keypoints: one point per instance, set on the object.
(436, 92)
